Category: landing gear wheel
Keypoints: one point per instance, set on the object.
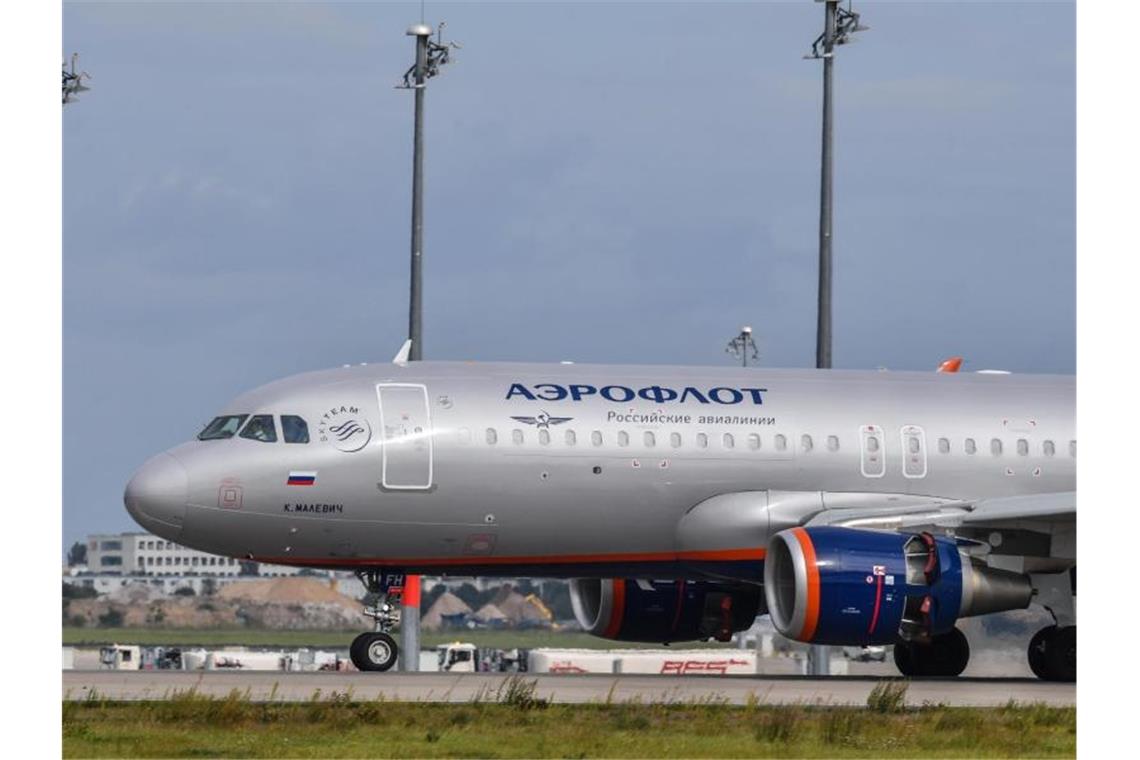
(905, 660)
(1038, 645)
(946, 655)
(1053, 653)
(373, 651)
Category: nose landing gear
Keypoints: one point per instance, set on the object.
(377, 650)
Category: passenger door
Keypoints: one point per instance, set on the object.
(406, 435)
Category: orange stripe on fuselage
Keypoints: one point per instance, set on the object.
(617, 611)
(714, 555)
(811, 617)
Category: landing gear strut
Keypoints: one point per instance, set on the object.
(1053, 650)
(945, 654)
(377, 650)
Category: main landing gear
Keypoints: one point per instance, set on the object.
(1053, 653)
(1053, 650)
(945, 654)
(377, 650)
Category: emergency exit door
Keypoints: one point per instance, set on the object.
(405, 430)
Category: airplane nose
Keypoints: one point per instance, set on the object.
(156, 496)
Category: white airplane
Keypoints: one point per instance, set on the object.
(856, 508)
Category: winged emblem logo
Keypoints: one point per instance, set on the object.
(542, 420)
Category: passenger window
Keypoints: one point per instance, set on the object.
(675, 440)
(702, 441)
(1072, 448)
(833, 443)
(544, 437)
(1022, 447)
(1048, 449)
(623, 438)
(571, 438)
(222, 427)
(517, 436)
(753, 441)
(728, 440)
(781, 442)
(970, 446)
(872, 444)
(596, 437)
(912, 444)
(995, 447)
(650, 439)
(492, 436)
(260, 428)
(294, 429)
(943, 445)
(805, 442)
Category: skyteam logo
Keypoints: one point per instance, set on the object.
(345, 428)
(542, 420)
(621, 394)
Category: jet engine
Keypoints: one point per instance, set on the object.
(663, 611)
(851, 586)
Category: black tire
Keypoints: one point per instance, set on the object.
(1038, 648)
(946, 655)
(1061, 654)
(949, 654)
(373, 651)
(905, 659)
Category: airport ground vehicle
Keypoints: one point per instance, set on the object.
(855, 508)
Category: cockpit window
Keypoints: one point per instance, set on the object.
(222, 427)
(294, 428)
(260, 428)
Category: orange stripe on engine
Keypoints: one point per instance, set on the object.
(811, 617)
(617, 611)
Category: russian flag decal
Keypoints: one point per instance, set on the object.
(306, 478)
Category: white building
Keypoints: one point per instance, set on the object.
(139, 553)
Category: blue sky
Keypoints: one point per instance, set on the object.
(617, 182)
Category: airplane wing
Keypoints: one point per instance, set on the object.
(1038, 531)
(894, 512)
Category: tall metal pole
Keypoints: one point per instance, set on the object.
(415, 303)
(819, 657)
(410, 601)
(823, 321)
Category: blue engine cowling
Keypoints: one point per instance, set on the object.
(858, 587)
(663, 611)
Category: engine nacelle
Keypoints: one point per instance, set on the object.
(663, 611)
(857, 587)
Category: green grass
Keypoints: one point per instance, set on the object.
(330, 639)
(512, 722)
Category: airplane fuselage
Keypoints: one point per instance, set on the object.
(592, 471)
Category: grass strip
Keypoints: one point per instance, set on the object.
(513, 721)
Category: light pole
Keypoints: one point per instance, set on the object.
(743, 347)
(429, 57)
(838, 26)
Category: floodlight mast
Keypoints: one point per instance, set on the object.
(743, 346)
(838, 26)
(429, 57)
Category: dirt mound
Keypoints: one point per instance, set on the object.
(286, 591)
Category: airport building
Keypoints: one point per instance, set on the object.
(139, 553)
